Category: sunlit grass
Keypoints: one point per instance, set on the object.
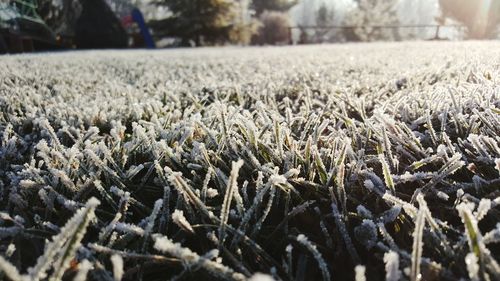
(324, 162)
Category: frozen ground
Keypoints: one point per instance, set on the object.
(303, 163)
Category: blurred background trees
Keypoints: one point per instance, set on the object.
(274, 28)
(324, 18)
(481, 18)
(215, 22)
(421, 12)
(260, 6)
(366, 17)
(60, 15)
(274, 21)
(198, 22)
(245, 26)
(244, 22)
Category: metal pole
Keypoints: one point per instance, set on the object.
(437, 32)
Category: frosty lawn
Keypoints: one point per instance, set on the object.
(343, 162)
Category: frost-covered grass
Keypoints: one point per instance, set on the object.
(365, 162)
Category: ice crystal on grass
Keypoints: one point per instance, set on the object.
(117, 262)
(151, 222)
(364, 212)
(360, 273)
(316, 254)
(191, 259)
(261, 277)
(366, 233)
(493, 236)
(230, 190)
(392, 272)
(179, 219)
(83, 269)
(387, 174)
(487, 263)
(11, 271)
(345, 235)
(416, 255)
(59, 252)
(471, 262)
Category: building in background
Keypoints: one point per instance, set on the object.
(21, 27)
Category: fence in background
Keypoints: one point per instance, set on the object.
(335, 33)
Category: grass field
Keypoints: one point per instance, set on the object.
(336, 162)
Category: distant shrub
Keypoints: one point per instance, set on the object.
(274, 28)
(366, 18)
(242, 34)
